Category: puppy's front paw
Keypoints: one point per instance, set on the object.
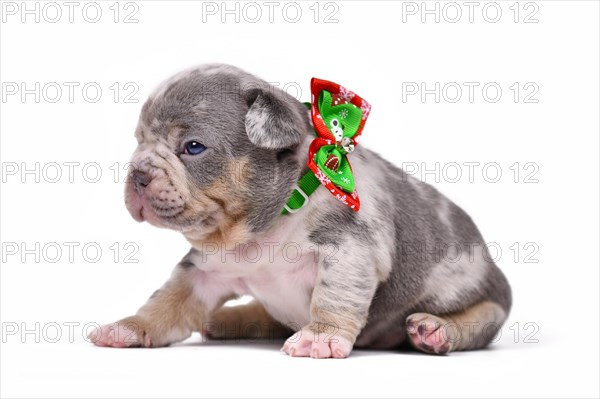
(318, 345)
(127, 333)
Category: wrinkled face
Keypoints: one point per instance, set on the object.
(217, 154)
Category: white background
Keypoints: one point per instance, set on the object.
(547, 213)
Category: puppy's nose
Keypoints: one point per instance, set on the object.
(140, 179)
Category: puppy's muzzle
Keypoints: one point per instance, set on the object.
(151, 196)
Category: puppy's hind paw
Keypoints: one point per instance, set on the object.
(428, 333)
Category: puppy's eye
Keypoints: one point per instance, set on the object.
(334, 122)
(194, 148)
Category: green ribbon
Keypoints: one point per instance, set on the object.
(342, 120)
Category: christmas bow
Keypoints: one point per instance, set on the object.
(339, 117)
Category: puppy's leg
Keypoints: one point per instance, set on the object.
(339, 307)
(171, 314)
(249, 321)
(471, 329)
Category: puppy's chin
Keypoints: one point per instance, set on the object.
(181, 219)
(135, 206)
(142, 211)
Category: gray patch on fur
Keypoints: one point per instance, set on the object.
(188, 260)
(338, 222)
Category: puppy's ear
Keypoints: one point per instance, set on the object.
(275, 120)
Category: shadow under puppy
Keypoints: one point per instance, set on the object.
(219, 153)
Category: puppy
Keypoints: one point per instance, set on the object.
(219, 153)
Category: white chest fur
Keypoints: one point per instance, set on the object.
(278, 269)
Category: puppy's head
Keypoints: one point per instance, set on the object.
(217, 154)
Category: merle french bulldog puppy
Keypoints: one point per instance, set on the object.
(219, 153)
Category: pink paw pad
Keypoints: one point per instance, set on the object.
(306, 343)
(428, 333)
(114, 335)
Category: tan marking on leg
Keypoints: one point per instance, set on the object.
(249, 321)
(170, 315)
(346, 325)
(479, 324)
